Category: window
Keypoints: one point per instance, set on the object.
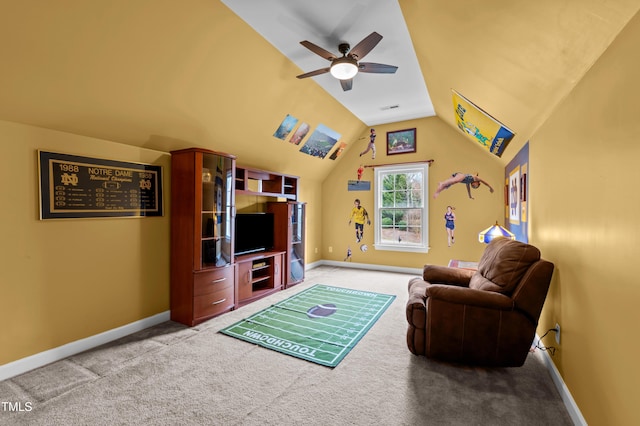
(401, 208)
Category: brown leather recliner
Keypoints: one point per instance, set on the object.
(486, 317)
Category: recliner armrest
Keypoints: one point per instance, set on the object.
(443, 274)
(469, 296)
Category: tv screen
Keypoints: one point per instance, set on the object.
(254, 232)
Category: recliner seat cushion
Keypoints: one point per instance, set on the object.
(502, 265)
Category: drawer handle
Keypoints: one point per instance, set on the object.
(219, 280)
(219, 301)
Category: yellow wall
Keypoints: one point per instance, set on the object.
(451, 152)
(63, 280)
(180, 76)
(66, 279)
(70, 279)
(584, 207)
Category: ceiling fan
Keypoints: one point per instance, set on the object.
(344, 68)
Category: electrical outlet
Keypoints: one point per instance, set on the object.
(557, 333)
(316, 251)
(330, 249)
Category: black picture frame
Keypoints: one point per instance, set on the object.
(401, 141)
(72, 186)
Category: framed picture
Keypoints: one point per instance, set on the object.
(401, 141)
(74, 187)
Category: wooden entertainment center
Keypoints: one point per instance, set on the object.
(207, 277)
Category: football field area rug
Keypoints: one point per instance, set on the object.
(320, 324)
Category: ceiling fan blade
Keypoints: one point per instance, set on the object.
(346, 84)
(369, 42)
(318, 50)
(314, 73)
(376, 68)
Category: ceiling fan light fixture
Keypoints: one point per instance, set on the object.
(344, 68)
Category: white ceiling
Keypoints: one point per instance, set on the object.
(375, 98)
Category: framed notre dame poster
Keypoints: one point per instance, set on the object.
(72, 186)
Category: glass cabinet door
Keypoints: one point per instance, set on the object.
(217, 201)
(296, 256)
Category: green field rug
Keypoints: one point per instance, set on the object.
(320, 324)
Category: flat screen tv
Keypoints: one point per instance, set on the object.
(253, 233)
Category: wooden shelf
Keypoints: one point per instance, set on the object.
(251, 181)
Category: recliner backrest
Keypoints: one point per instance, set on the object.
(530, 295)
(503, 265)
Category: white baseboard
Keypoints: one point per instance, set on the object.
(569, 402)
(309, 266)
(32, 362)
(371, 267)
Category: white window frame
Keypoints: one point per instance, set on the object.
(379, 173)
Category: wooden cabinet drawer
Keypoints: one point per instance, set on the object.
(214, 303)
(212, 281)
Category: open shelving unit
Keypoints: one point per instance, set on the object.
(261, 182)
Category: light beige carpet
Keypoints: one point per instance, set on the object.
(171, 374)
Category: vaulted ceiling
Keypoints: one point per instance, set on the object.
(374, 98)
(166, 74)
